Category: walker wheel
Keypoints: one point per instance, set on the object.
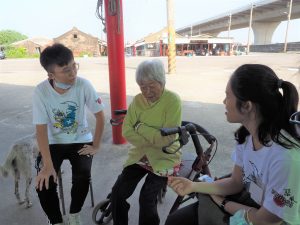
(102, 212)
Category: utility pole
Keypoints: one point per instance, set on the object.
(250, 26)
(287, 26)
(171, 38)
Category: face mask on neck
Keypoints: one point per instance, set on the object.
(62, 85)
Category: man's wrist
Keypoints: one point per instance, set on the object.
(96, 144)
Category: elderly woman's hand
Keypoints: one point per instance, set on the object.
(137, 125)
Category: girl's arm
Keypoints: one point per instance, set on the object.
(223, 187)
(259, 216)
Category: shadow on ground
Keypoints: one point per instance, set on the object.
(16, 122)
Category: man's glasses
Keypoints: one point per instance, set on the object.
(295, 118)
(69, 69)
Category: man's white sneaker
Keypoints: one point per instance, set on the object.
(56, 223)
(74, 219)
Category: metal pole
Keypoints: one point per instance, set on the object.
(287, 25)
(116, 62)
(171, 38)
(229, 25)
(250, 26)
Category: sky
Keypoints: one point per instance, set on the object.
(52, 18)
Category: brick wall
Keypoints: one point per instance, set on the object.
(79, 43)
(31, 48)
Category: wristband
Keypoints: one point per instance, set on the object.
(247, 215)
(223, 203)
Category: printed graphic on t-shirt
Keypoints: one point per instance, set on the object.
(254, 176)
(287, 199)
(65, 117)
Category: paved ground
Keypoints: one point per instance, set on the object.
(200, 81)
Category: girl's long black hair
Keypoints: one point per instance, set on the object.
(260, 85)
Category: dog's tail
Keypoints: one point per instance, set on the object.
(3, 171)
(9, 162)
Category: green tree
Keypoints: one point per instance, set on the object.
(9, 36)
(13, 52)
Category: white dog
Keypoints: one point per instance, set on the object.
(19, 162)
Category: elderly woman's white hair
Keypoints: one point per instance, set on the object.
(151, 70)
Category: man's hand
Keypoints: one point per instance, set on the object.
(88, 150)
(43, 177)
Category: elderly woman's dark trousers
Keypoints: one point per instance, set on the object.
(81, 175)
(124, 188)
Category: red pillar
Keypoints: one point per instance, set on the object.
(116, 62)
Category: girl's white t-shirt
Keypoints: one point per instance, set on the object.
(65, 114)
(274, 171)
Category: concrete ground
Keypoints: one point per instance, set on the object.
(200, 81)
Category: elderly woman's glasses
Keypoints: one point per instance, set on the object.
(295, 118)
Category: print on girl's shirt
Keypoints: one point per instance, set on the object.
(254, 176)
(287, 199)
(253, 183)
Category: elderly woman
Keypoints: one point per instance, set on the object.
(154, 108)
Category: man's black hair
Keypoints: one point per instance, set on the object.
(56, 54)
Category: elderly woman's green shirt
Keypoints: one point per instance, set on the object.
(147, 140)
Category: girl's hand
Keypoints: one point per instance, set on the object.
(182, 186)
(88, 150)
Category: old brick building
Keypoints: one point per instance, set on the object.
(79, 42)
(33, 45)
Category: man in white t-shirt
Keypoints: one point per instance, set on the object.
(59, 113)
